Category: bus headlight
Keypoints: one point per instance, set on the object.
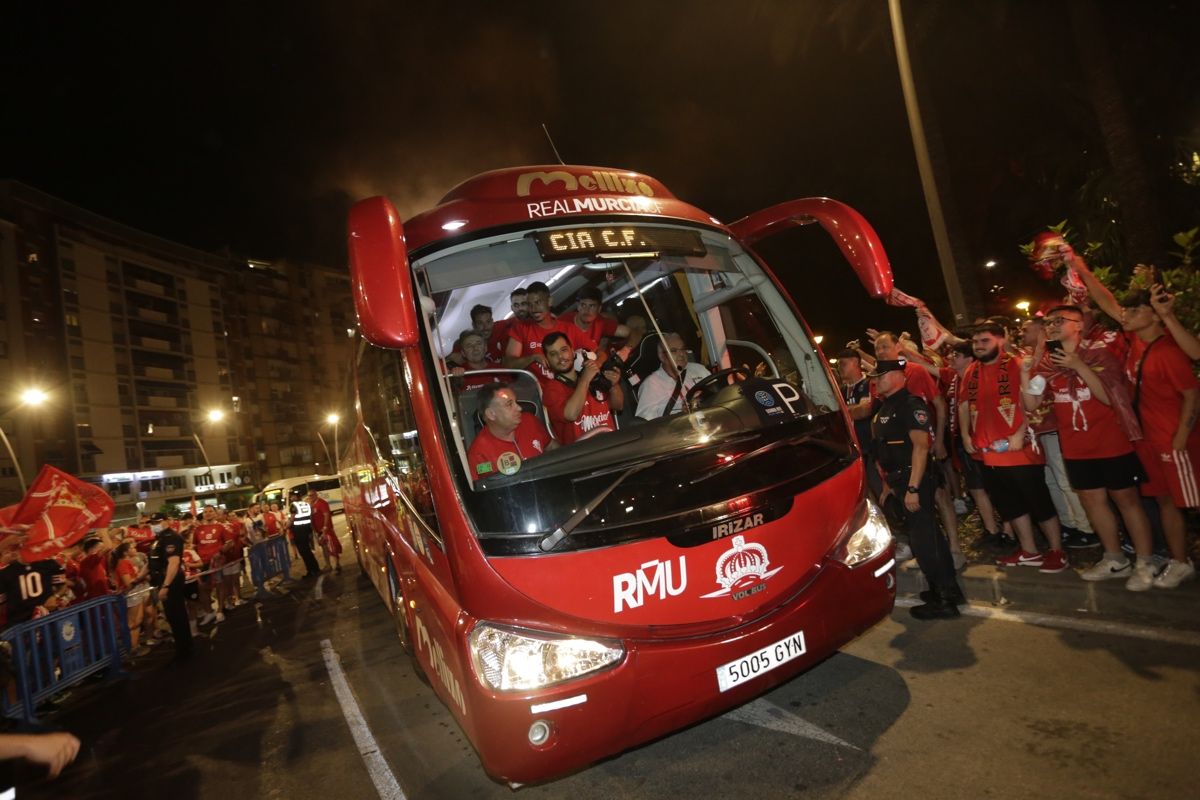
(511, 660)
(869, 540)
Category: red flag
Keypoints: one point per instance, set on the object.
(59, 510)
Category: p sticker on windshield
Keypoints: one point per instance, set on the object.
(773, 402)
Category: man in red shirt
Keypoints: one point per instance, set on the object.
(142, 535)
(93, 567)
(1087, 396)
(525, 340)
(587, 317)
(209, 537)
(993, 424)
(1166, 399)
(1167, 413)
(518, 301)
(322, 517)
(576, 410)
(509, 436)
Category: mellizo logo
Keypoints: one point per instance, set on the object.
(742, 570)
(594, 181)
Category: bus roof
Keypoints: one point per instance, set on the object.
(545, 194)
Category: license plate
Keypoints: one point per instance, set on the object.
(737, 672)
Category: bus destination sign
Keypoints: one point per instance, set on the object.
(615, 240)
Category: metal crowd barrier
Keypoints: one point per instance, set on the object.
(268, 559)
(55, 652)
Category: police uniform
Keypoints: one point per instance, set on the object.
(302, 532)
(168, 545)
(895, 417)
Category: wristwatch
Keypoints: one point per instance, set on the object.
(913, 490)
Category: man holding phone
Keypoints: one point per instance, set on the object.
(1096, 426)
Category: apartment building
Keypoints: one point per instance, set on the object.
(168, 371)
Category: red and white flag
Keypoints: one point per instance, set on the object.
(59, 509)
(933, 333)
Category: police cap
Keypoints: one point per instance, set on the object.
(885, 365)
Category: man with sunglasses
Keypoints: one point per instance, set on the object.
(1090, 401)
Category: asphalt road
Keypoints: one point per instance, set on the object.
(966, 708)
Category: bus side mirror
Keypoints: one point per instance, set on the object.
(854, 235)
(380, 278)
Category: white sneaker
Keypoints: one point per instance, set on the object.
(1142, 577)
(1109, 567)
(960, 560)
(1176, 573)
(206, 618)
(903, 552)
(960, 506)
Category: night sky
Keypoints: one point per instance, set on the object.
(253, 126)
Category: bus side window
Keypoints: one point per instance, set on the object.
(388, 412)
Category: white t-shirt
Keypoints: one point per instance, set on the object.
(658, 387)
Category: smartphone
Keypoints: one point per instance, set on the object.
(1053, 346)
(1157, 277)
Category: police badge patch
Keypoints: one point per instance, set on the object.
(921, 416)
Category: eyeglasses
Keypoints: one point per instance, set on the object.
(1060, 320)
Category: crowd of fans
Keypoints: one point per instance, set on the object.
(124, 560)
(1048, 424)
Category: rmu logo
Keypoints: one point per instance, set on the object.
(630, 589)
(596, 180)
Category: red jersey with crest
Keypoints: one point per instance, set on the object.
(208, 538)
(596, 416)
(490, 455)
(993, 396)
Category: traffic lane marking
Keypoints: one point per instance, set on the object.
(381, 774)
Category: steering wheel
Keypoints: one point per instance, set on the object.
(706, 384)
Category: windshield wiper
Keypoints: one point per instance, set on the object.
(550, 542)
(800, 438)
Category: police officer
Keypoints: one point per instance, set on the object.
(166, 575)
(302, 532)
(900, 430)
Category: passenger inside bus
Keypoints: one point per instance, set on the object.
(582, 396)
(756, 369)
(509, 437)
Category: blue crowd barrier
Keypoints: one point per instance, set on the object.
(55, 652)
(268, 559)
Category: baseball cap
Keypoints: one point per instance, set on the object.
(885, 365)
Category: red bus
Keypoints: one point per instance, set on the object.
(570, 606)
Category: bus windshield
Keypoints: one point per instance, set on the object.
(764, 425)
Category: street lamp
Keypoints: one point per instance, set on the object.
(1023, 306)
(34, 397)
(333, 419)
(214, 415)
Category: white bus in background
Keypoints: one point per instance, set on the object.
(328, 488)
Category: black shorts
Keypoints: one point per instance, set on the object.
(972, 470)
(1020, 490)
(1117, 472)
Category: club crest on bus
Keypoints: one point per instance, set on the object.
(742, 570)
